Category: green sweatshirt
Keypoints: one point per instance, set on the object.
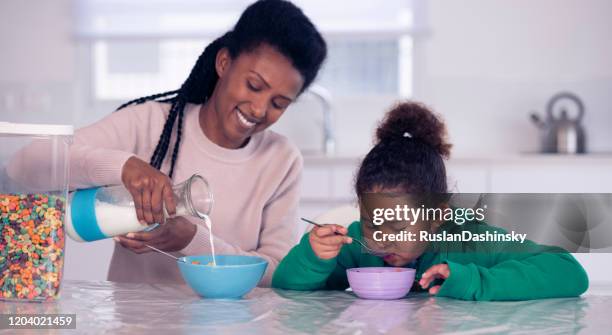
(478, 270)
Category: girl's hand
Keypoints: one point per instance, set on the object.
(150, 189)
(325, 243)
(174, 235)
(435, 272)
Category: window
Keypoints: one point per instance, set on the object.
(123, 70)
(140, 47)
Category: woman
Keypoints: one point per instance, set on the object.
(214, 125)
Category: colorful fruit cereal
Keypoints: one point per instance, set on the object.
(32, 246)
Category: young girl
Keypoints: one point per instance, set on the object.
(215, 125)
(408, 158)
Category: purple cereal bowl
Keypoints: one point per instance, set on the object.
(381, 283)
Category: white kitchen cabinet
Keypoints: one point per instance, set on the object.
(343, 182)
(328, 181)
(552, 179)
(316, 183)
(467, 178)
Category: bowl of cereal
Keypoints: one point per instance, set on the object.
(382, 283)
(231, 277)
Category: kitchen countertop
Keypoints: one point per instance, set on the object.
(120, 308)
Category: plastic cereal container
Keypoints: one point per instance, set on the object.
(33, 190)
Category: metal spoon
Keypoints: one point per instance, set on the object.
(165, 253)
(368, 249)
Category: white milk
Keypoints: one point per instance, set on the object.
(208, 223)
(112, 220)
(116, 220)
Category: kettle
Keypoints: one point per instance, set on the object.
(562, 134)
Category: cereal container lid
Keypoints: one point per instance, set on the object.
(34, 129)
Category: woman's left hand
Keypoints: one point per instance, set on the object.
(438, 271)
(173, 235)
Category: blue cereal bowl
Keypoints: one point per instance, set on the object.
(233, 277)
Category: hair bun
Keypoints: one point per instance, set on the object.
(414, 121)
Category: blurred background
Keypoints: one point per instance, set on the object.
(484, 65)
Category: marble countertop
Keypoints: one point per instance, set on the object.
(103, 307)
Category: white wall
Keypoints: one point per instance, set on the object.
(37, 62)
(488, 63)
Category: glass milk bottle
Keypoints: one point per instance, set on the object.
(98, 213)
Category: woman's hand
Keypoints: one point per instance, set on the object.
(150, 189)
(438, 271)
(174, 235)
(325, 243)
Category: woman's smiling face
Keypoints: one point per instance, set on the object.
(253, 91)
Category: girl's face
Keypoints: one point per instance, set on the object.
(399, 253)
(253, 91)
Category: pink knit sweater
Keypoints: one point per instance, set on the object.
(256, 188)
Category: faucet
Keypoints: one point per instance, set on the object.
(324, 97)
